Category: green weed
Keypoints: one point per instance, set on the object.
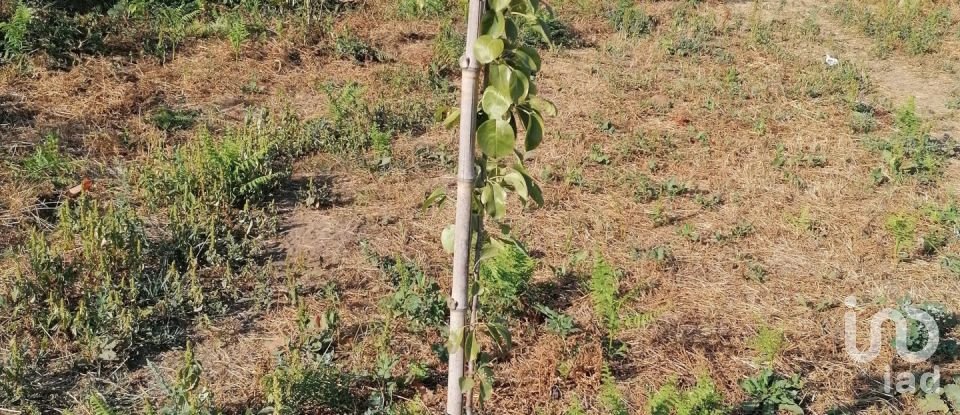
(15, 33)
(912, 151)
(844, 81)
(951, 263)
(237, 33)
(767, 344)
(903, 229)
(559, 33)
(447, 48)
(701, 399)
(557, 322)
(909, 26)
(770, 394)
(168, 119)
(185, 395)
(49, 163)
(242, 166)
(415, 297)
(917, 334)
(349, 46)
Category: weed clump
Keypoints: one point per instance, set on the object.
(903, 25)
(350, 46)
(912, 151)
(415, 297)
(629, 19)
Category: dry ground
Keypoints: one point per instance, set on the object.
(818, 228)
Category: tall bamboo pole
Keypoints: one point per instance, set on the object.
(466, 174)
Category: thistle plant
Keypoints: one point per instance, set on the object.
(508, 101)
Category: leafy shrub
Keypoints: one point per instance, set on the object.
(702, 399)
(769, 394)
(505, 278)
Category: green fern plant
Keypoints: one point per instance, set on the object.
(611, 399)
(701, 399)
(604, 293)
(99, 406)
(505, 278)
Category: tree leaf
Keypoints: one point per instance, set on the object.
(533, 125)
(471, 347)
(466, 384)
(495, 103)
(453, 118)
(435, 199)
(535, 193)
(499, 5)
(519, 87)
(526, 59)
(493, 24)
(446, 238)
(496, 138)
(516, 181)
(486, 383)
(952, 392)
(487, 49)
(543, 106)
(791, 408)
(499, 76)
(455, 340)
(496, 203)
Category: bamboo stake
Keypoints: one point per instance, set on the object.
(466, 174)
